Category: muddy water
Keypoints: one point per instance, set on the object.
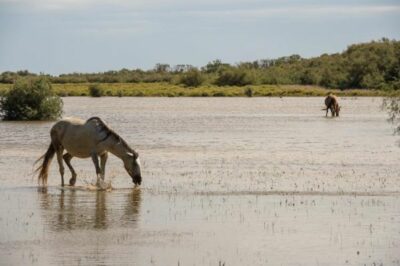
(226, 181)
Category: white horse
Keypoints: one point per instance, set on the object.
(83, 139)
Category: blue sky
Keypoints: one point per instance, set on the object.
(63, 36)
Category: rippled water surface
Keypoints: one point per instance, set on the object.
(226, 181)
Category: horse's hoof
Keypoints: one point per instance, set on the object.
(72, 181)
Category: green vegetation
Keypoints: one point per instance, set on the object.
(30, 99)
(192, 78)
(248, 92)
(96, 90)
(392, 106)
(231, 76)
(374, 65)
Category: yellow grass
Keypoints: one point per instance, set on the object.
(170, 90)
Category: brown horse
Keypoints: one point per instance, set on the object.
(83, 139)
(332, 103)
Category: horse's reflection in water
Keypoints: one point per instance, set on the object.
(72, 210)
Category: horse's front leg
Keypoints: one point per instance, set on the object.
(332, 110)
(103, 160)
(95, 160)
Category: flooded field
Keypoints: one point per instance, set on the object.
(226, 181)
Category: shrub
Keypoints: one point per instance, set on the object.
(233, 77)
(392, 106)
(62, 93)
(31, 99)
(138, 94)
(95, 90)
(219, 94)
(192, 78)
(248, 92)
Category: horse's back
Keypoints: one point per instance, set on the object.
(77, 136)
(63, 126)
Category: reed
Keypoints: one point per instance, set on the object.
(161, 89)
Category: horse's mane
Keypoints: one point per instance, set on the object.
(110, 132)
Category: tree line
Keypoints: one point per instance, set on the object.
(372, 65)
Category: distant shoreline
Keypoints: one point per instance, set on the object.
(159, 89)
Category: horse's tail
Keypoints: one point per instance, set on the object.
(44, 168)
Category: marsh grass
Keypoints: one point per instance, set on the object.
(170, 90)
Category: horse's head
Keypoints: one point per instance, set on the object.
(132, 166)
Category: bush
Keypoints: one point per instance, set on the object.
(31, 99)
(96, 90)
(219, 94)
(233, 77)
(392, 106)
(248, 92)
(192, 78)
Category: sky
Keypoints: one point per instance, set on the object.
(65, 36)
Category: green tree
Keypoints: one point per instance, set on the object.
(214, 66)
(308, 77)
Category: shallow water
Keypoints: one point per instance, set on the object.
(234, 181)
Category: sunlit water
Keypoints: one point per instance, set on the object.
(226, 181)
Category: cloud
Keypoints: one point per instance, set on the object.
(130, 4)
(301, 11)
(210, 7)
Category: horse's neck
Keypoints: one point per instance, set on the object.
(117, 149)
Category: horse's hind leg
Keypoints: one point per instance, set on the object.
(67, 158)
(59, 152)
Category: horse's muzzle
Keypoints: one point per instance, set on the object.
(137, 180)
